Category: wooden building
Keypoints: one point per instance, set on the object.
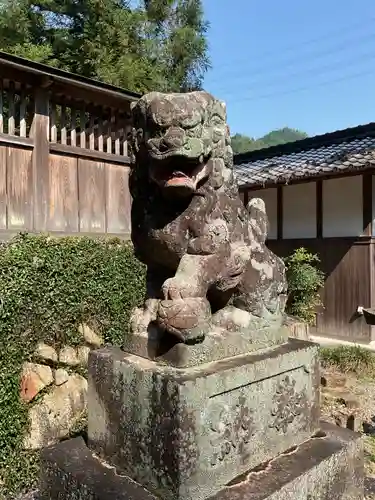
(320, 194)
(63, 152)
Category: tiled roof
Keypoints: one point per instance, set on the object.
(328, 154)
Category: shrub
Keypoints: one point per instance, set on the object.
(304, 281)
(48, 287)
(354, 359)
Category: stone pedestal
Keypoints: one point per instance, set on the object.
(185, 433)
(326, 467)
(245, 426)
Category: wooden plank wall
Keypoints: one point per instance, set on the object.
(84, 195)
(88, 196)
(346, 263)
(63, 164)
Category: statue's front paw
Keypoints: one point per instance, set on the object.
(176, 288)
(187, 319)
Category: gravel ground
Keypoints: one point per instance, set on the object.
(361, 392)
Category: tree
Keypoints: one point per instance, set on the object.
(157, 45)
(178, 36)
(242, 143)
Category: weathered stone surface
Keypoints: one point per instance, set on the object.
(185, 433)
(55, 414)
(71, 472)
(204, 250)
(34, 378)
(323, 468)
(90, 336)
(46, 352)
(61, 376)
(69, 356)
(297, 329)
(216, 345)
(83, 354)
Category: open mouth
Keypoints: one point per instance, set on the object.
(179, 174)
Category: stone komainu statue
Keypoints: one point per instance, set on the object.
(208, 267)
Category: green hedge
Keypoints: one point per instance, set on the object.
(48, 286)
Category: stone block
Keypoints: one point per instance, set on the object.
(297, 329)
(217, 344)
(34, 378)
(185, 433)
(46, 352)
(327, 467)
(52, 418)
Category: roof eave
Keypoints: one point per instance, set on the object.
(55, 74)
(368, 167)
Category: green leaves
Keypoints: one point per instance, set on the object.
(160, 45)
(47, 288)
(304, 282)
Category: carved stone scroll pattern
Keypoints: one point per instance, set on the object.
(232, 428)
(288, 404)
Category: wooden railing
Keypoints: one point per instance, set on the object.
(63, 160)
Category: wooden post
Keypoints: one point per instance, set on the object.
(279, 212)
(246, 197)
(367, 204)
(319, 208)
(40, 134)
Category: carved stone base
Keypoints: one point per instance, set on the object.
(186, 433)
(329, 467)
(218, 344)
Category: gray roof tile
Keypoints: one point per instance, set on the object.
(334, 153)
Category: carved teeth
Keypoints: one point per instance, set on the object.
(178, 173)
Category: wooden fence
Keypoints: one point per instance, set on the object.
(63, 153)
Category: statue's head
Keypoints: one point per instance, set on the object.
(182, 139)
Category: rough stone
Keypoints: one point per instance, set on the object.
(166, 427)
(329, 467)
(83, 354)
(34, 378)
(297, 329)
(69, 356)
(206, 254)
(216, 345)
(46, 352)
(55, 414)
(90, 336)
(61, 376)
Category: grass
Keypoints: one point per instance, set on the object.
(349, 359)
(369, 444)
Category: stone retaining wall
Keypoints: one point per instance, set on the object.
(54, 385)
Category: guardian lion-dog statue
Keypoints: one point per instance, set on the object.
(208, 267)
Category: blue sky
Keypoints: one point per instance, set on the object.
(303, 64)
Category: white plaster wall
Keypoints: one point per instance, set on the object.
(342, 207)
(299, 211)
(269, 196)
